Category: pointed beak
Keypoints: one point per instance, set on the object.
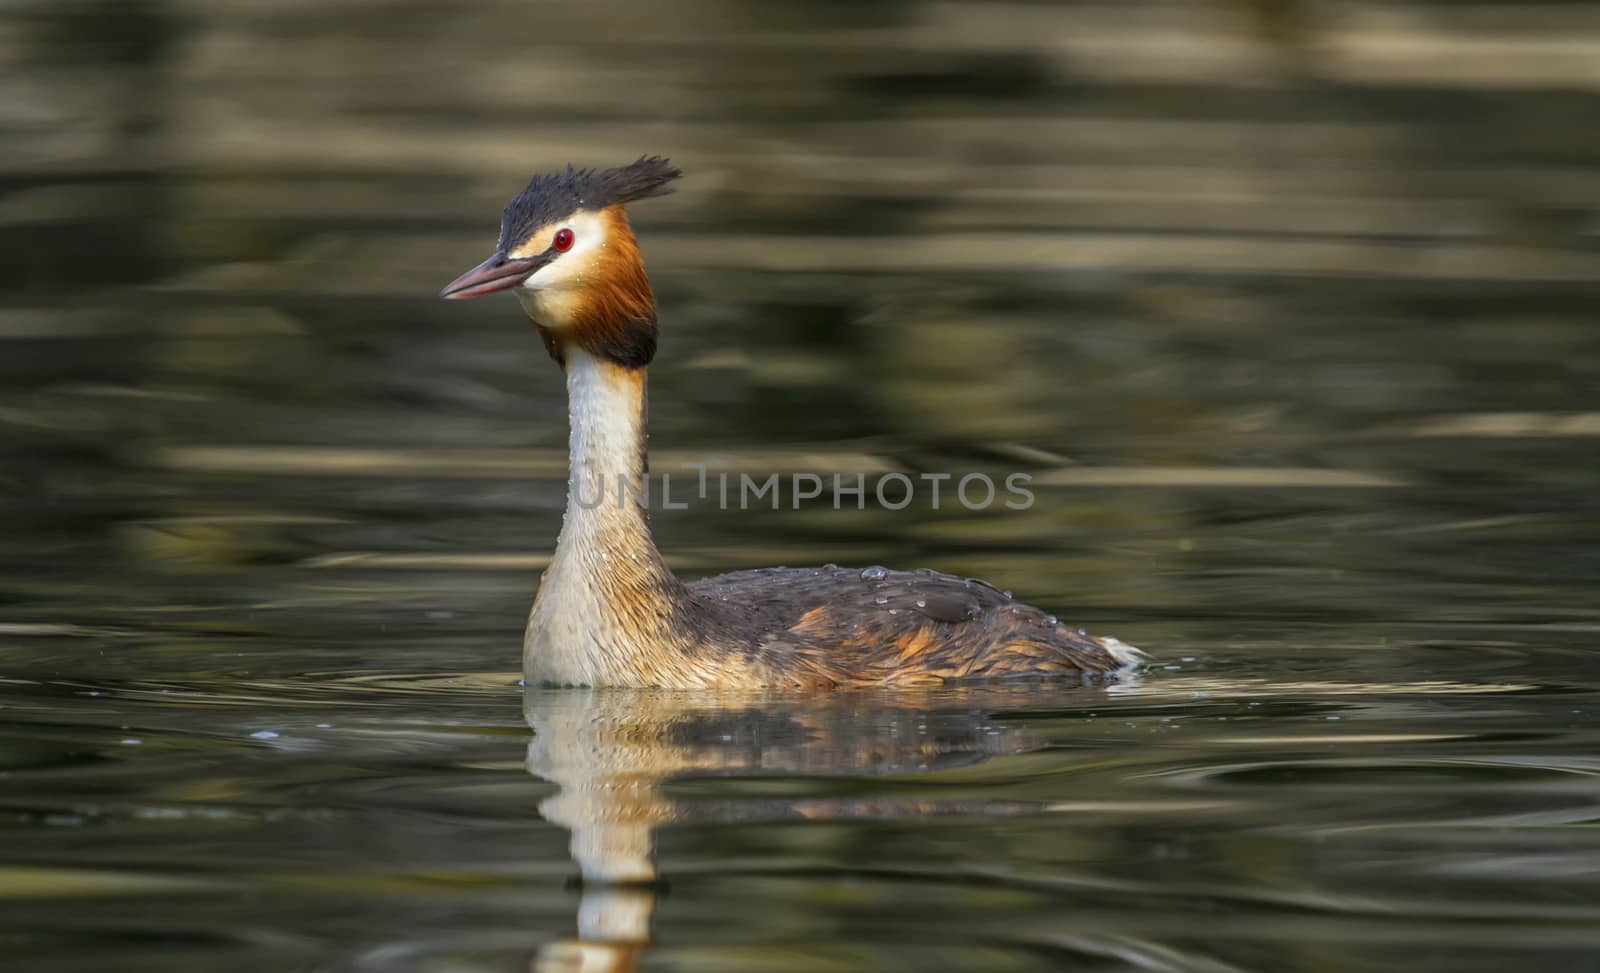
(498, 273)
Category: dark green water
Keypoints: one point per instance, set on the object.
(1289, 312)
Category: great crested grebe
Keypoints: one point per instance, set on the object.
(608, 611)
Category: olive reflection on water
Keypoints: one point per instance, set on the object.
(610, 751)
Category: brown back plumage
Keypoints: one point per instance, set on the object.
(836, 626)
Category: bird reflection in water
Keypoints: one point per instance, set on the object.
(609, 752)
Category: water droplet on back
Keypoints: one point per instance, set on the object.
(875, 573)
(881, 600)
(922, 603)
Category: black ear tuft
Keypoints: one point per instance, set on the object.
(639, 180)
(558, 195)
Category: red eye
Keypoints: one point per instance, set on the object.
(563, 240)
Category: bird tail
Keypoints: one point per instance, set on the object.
(1127, 656)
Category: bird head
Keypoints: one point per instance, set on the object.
(567, 252)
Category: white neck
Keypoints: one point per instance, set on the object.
(603, 610)
(605, 403)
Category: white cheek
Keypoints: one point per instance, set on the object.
(553, 274)
(551, 307)
(567, 270)
(552, 293)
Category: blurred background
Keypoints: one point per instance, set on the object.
(1262, 285)
(1288, 307)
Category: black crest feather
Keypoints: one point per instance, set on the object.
(558, 195)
